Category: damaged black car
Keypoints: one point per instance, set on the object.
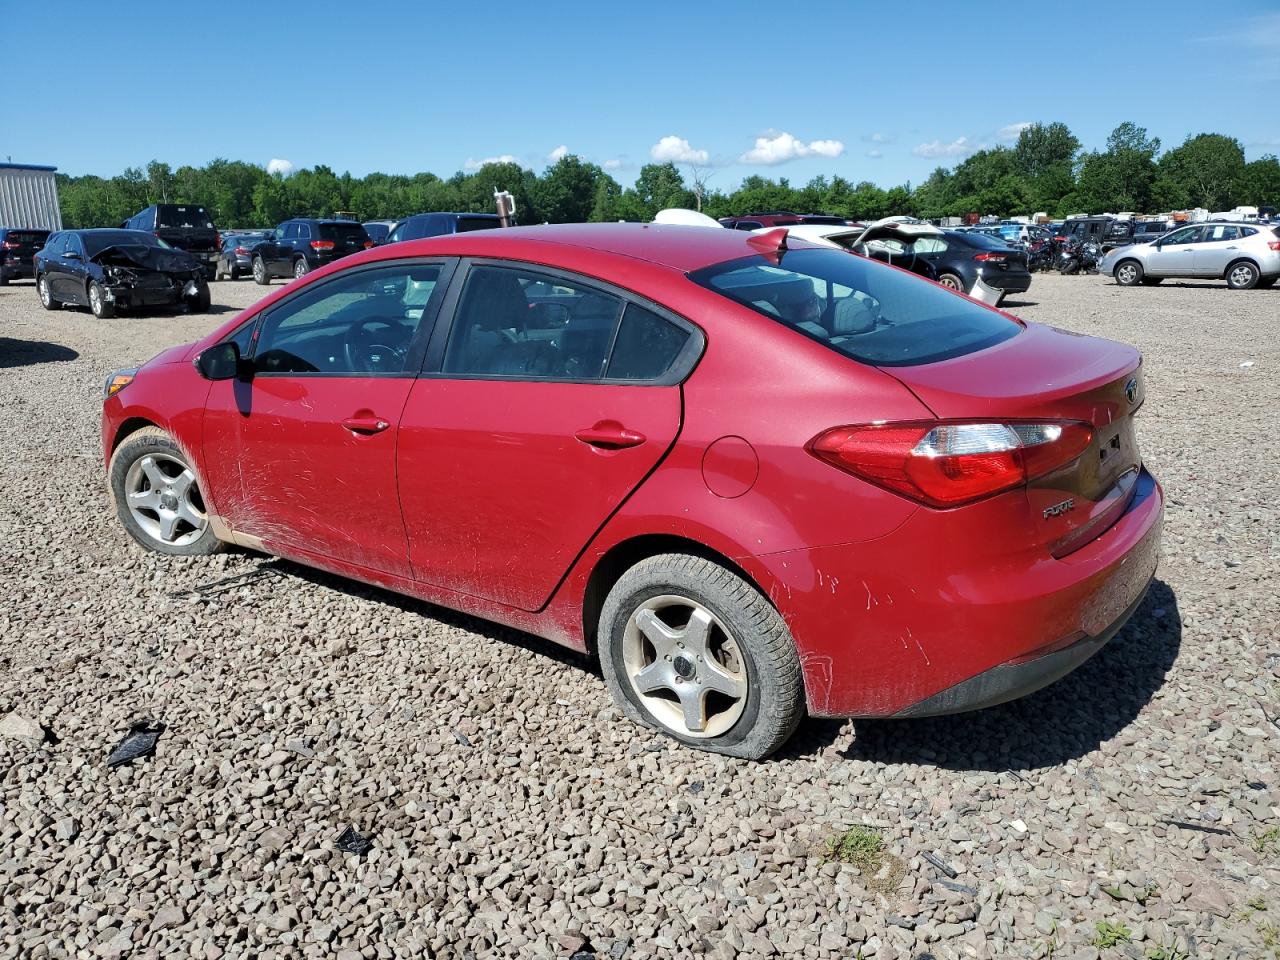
(109, 269)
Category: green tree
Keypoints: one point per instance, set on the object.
(1203, 172)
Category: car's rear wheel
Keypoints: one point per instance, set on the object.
(1242, 276)
(157, 496)
(46, 295)
(690, 648)
(951, 281)
(260, 275)
(233, 271)
(1129, 273)
(102, 308)
(300, 268)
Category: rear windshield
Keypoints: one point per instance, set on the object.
(98, 240)
(26, 236)
(983, 240)
(349, 232)
(865, 310)
(177, 217)
(467, 224)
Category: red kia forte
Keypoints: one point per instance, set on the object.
(756, 479)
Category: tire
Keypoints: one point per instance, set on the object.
(951, 281)
(233, 272)
(4, 281)
(748, 704)
(1242, 275)
(301, 268)
(149, 465)
(101, 307)
(260, 274)
(201, 301)
(47, 299)
(1128, 273)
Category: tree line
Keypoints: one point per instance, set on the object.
(1046, 170)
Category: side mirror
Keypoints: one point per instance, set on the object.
(220, 362)
(71, 255)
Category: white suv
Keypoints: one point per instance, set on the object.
(1246, 255)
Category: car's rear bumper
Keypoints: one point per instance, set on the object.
(1008, 282)
(948, 613)
(17, 271)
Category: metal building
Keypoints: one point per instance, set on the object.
(29, 197)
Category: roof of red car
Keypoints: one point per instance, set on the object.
(677, 247)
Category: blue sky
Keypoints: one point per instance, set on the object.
(881, 92)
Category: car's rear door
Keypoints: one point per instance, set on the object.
(545, 403)
(312, 433)
(1218, 245)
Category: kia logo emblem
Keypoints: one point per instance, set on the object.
(1131, 389)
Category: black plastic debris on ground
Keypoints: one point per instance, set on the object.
(351, 842)
(140, 741)
(941, 864)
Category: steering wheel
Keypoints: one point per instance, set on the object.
(383, 351)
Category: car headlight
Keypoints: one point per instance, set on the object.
(117, 381)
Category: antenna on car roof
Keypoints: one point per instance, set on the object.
(772, 243)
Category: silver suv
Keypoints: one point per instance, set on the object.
(1246, 255)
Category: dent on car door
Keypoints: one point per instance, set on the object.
(313, 429)
(533, 424)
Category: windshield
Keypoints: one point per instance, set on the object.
(865, 310)
(176, 216)
(98, 240)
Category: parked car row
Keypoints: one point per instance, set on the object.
(1245, 255)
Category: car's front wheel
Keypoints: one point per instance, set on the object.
(157, 496)
(102, 308)
(690, 648)
(202, 299)
(1129, 273)
(260, 275)
(1242, 276)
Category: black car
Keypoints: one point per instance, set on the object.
(1121, 233)
(183, 226)
(1084, 228)
(236, 257)
(106, 269)
(299, 246)
(378, 230)
(959, 259)
(422, 225)
(18, 248)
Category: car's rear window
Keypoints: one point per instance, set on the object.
(26, 236)
(343, 231)
(467, 224)
(983, 240)
(862, 309)
(179, 216)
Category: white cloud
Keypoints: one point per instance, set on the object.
(477, 164)
(282, 167)
(782, 147)
(613, 164)
(1012, 131)
(879, 138)
(678, 150)
(959, 147)
(559, 153)
(875, 154)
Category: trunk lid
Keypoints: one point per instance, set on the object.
(1049, 374)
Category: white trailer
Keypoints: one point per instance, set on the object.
(29, 197)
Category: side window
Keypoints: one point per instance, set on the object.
(1185, 235)
(1248, 232)
(243, 337)
(73, 244)
(304, 231)
(516, 323)
(395, 236)
(1221, 233)
(293, 231)
(927, 245)
(55, 246)
(646, 346)
(361, 322)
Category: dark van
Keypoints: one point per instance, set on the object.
(185, 226)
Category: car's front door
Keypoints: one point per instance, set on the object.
(71, 276)
(277, 252)
(1175, 254)
(313, 431)
(1218, 245)
(551, 401)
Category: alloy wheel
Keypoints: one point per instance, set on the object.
(685, 666)
(44, 291)
(1241, 276)
(950, 282)
(259, 269)
(1127, 273)
(300, 269)
(162, 495)
(95, 299)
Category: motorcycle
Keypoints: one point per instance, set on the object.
(1040, 255)
(1079, 256)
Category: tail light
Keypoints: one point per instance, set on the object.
(368, 244)
(948, 464)
(322, 244)
(995, 257)
(10, 245)
(217, 243)
(1273, 244)
(241, 251)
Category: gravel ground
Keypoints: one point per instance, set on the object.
(511, 810)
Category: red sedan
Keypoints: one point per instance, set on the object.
(756, 479)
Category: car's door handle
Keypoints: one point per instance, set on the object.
(610, 435)
(365, 424)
